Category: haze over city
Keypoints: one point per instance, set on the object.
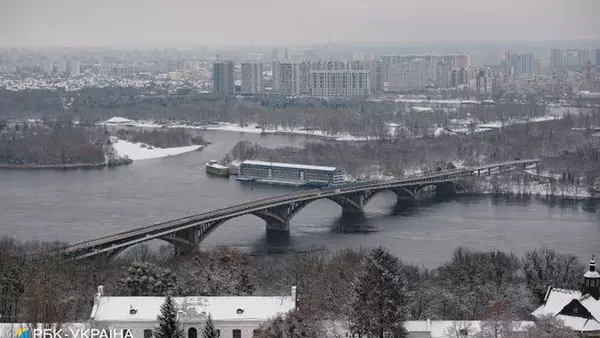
(270, 22)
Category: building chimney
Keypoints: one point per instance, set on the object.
(294, 295)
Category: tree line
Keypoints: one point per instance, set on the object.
(563, 151)
(333, 116)
(57, 144)
(164, 138)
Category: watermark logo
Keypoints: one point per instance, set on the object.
(23, 333)
(80, 333)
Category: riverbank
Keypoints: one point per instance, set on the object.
(527, 186)
(141, 151)
(109, 163)
(55, 166)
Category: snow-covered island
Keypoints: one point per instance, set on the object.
(141, 151)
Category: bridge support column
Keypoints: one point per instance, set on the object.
(353, 203)
(277, 218)
(186, 241)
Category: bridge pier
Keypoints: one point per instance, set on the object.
(353, 203)
(185, 241)
(278, 217)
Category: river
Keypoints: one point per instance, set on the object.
(71, 205)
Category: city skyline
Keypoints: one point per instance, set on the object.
(29, 23)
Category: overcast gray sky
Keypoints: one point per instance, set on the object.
(266, 22)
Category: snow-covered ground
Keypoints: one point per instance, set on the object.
(461, 126)
(248, 128)
(135, 151)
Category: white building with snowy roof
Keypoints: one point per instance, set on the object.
(578, 310)
(234, 317)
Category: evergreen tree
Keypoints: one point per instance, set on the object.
(381, 298)
(209, 328)
(168, 324)
(148, 279)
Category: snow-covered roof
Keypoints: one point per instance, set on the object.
(118, 309)
(592, 305)
(556, 300)
(117, 120)
(289, 165)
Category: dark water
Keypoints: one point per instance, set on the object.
(74, 205)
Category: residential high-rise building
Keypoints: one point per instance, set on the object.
(484, 82)
(61, 66)
(461, 76)
(339, 82)
(557, 58)
(73, 66)
(286, 78)
(523, 64)
(443, 73)
(582, 57)
(252, 73)
(223, 81)
(572, 58)
(374, 68)
(410, 75)
(462, 61)
(47, 66)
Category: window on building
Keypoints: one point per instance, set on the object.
(237, 333)
(147, 333)
(192, 332)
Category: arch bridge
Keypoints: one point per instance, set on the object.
(188, 232)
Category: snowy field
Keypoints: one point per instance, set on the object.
(136, 152)
(249, 128)
(254, 128)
